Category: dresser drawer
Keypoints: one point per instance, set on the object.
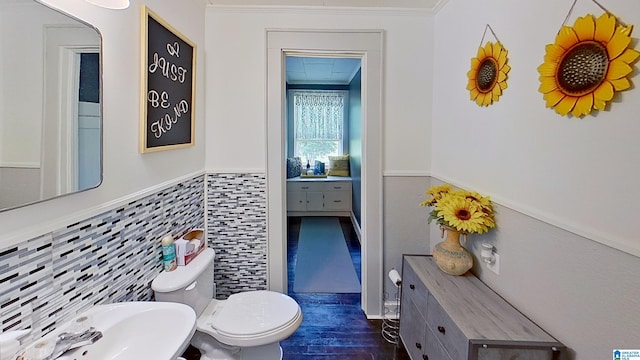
(337, 200)
(413, 329)
(446, 331)
(337, 186)
(509, 352)
(304, 186)
(415, 288)
(433, 349)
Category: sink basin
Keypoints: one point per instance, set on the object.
(133, 330)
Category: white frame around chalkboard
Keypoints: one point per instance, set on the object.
(145, 93)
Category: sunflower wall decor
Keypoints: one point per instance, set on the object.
(488, 74)
(587, 64)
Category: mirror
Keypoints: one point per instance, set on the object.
(50, 111)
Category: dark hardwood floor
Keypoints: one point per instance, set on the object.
(334, 326)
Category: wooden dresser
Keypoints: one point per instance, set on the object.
(445, 317)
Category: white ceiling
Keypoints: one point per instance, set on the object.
(321, 70)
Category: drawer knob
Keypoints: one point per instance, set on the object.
(419, 346)
(441, 329)
(412, 287)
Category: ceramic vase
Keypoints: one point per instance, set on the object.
(450, 256)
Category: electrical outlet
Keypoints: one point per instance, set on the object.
(495, 267)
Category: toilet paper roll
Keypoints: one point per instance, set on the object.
(395, 277)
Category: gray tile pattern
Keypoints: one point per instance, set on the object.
(26, 270)
(110, 257)
(237, 231)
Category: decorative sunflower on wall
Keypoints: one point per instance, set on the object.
(488, 74)
(588, 63)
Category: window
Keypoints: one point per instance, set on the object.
(319, 123)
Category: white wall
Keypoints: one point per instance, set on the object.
(576, 173)
(21, 81)
(236, 92)
(126, 171)
(579, 174)
(236, 80)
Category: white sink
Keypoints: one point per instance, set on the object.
(133, 330)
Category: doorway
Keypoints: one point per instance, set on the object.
(323, 117)
(71, 135)
(366, 45)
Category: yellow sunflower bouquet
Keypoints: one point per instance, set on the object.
(465, 211)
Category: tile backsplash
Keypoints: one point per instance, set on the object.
(110, 257)
(113, 256)
(237, 231)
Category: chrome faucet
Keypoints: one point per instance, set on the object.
(67, 341)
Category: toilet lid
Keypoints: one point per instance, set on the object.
(254, 312)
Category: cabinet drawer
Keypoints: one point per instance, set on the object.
(304, 186)
(514, 352)
(415, 289)
(446, 331)
(337, 186)
(337, 200)
(433, 349)
(413, 329)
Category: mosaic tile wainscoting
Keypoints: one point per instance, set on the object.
(237, 231)
(110, 257)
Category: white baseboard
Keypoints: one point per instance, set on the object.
(356, 227)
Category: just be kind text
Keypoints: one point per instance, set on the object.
(161, 99)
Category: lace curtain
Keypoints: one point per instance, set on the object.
(318, 123)
(318, 115)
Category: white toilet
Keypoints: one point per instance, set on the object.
(248, 325)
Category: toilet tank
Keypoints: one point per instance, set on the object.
(191, 284)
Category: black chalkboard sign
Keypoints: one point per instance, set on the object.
(168, 86)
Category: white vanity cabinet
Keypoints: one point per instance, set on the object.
(446, 317)
(329, 196)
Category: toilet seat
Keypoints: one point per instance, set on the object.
(254, 312)
(251, 318)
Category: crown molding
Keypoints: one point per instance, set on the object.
(410, 4)
(321, 10)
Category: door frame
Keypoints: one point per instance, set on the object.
(63, 44)
(368, 46)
